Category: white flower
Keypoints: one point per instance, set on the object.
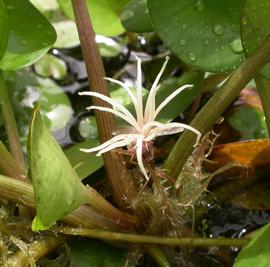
(144, 128)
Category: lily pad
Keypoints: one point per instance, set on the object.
(255, 28)
(51, 66)
(31, 35)
(135, 17)
(58, 190)
(203, 33)
(4, 28)
(257, 251)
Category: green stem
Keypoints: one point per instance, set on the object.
(263, 87)
(36, 250)
(22, 193)
(116, 171)
(158, 255)
(213, 109)
(145, 239)
(10, 123)
(8, 165)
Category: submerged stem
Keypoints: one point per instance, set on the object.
(145, 239)
(211, 111)
(10, 123)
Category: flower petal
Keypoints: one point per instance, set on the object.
(110, 101)
(128, 119)
(169, 98)
(150, 104)
(139, 143)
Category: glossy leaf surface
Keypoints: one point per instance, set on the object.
(256, 27)
(203, 33)
(31, 35)
(58, 190)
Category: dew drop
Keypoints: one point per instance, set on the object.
(182, 42)
(199, 6)
(236, 45)
(127, 14)
(184, 26)
(192, 56)
(40, 26)
(23, 42)
(218, 29)
(206, 42)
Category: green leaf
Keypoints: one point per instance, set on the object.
(84, 163)
(51, 66)
(255, 28)
(257, 251)
(94, 253)
(104, 15)
(4, 28)
(135, 17)
(250, 122)
(203, 33)
(31, 35)
(58, 190)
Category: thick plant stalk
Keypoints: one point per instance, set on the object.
(105, 121)
(10, 123)
(22, 193)
(212, 110)
(36, 250)
(263, 87)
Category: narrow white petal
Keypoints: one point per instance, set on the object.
(139, 91)
(113, 146)
(139, 143)
(170, 128)
(150, 104)
(110, 101)
(105, 144)
(119, 114)
(169, 98)
(131, 95)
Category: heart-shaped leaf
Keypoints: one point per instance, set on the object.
(58, 190)
(205, 34)
(4, 28)
(256, 27)
(31, 35)
(104, 15)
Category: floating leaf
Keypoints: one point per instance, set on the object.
(4, 28)
(94, 253)
(51, 66)
(135, 17)
(257, 251)
(104, 15)
(255, 28)
(31, 35)
(84, 163)
(58, 190)
(203, 33)
(250, 122)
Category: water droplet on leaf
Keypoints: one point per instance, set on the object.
(199, 6)
(218, 29)
(236, 45)
(192, 56)
(182, 42)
